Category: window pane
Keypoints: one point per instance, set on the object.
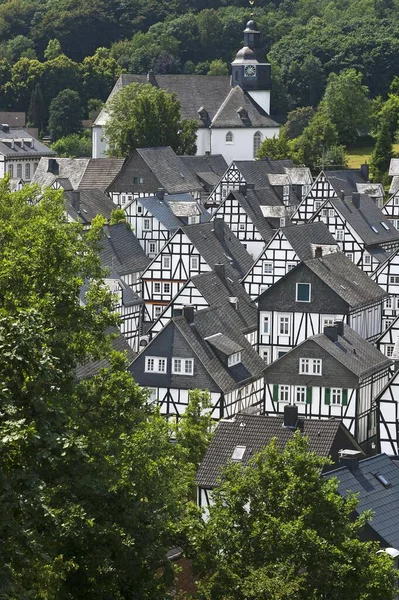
(303, 292)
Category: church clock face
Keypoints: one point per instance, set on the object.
(250, 71)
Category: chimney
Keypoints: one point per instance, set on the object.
(151, 78)
(340, 327)
(356, 199)
(365, 172)
(242, 188)
(218, 227)
(233, 301)
(52, 166)
(188, 313)
(76, 200)
(318, 253)
(350, 459)
(341, 194)
(331, 333)
(219, 270)
(160, 193)
(5, 128)
(290, 416)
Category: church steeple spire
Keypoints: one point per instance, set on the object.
(249, 70)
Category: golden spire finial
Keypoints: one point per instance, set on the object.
(251, 3)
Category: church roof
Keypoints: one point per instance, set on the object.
(240, 110)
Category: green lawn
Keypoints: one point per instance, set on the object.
(362, 154)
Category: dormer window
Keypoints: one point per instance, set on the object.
(229, 137)
(234, 359)
(303, 292)
(183, 366)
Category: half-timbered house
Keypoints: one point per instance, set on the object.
(149, 170)
(394, 173)
(77, 173)
(83, 205)
(362, 231)
(330, 184)
(190, 251)
(387, 277)
(288, 247)
(203, 350)
(389, 339)
(208, 169)
(241, 438)
(391, 208)
(290, 183)
(332, 374)
(387, 404)
(214, 289)
(315, 294)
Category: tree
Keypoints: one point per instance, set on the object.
(276, 148)
(35, 113)
(73, 145)
(65, 114)
(382, 153)
(118, 215)
(279, 531)
(53, 49)
(297, 120)
(218, 67)
(315, 140)
(195, 429)
(91, 486)
(347, 105)
(142, 116)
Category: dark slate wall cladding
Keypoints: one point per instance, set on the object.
(286, 369)
(167, 344)
(281, 296)
(135, 167)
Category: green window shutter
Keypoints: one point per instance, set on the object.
(327, 394)
(344, 397)
(309, 395)
(275, 392)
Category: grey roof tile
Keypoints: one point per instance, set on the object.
(170, 170)
(121, 251)
(345, 180)
(227, 115)
(91, 203)
(68, 168)
(161, 211)
(302, 237)
(24, 145)
(100, 173)
(224, 344)
(91, 368)
(255, 432)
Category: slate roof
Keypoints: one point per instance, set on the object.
(161, 211)
(351, 350)
(68, 168)
(372, 494)
(394, 167)
(212, 163)
(257, 171)
(227, 116)
(100, 173)
(13, 119)
(302, 237)
(345, 180)
(23, 147)
(91, 368)
(351, 283)
(192, 91)
(92, 203)
(255, 432)
(224, 344)
(364, 218)
(129, 297)
(374, 190)
(226, 250)
(250, 204)
(121, 251)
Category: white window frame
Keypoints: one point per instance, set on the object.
(27, 171)
(166, 261)
(19, 170)
(229, 137)
(310, 291)
(367, 258)
(300, 394)
(340, 235)
(166, 287)
(241, 226)
(194, 263)
(349, 255)
(257, 142)
(269, 270)
(283, 393)
(394, 279)
(234, 359)
(266, 355)
(284, 325)
(155, 364)
(146, 224)
(157, 287)
(336, 396)
(388, 302)
(266, 324)
(157, 310)
(290, 266)
(182, 366)
(150, 245)
(389, 350)
(10, 169)
(310, 366)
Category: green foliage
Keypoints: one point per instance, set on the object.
(53, 50)
(118, 215)
(297, 121)
(21, 47)
(316, 139)
(195, 429)
(36, 108)
(347, 105)
(142, 116)
(277, 530)
(382, 153)
(335, 158)
(74, 145)
(65, 114)
(218, 67)
(276, 148)
(91, 486)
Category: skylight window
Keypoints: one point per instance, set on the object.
(385, 226)
(374, 228)
(383, 480)
(238, 452)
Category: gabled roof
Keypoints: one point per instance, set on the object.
(18, 143)
(224, 344)
(354, 352)
(373, 495)
(345, 180)
(121, 251)
(169, 169)
(254, 432)
(91, 203)
(217, 244)
(303, 238)
(13, 119)
(212, 165)
(192, 91)
(240, 101)
(351, 283)
(161, 211)
(66, 168)
(100, 173)
(364, 218)
(250, 204)
(91, 368)
(256, 171)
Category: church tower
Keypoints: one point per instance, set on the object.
(252, 75)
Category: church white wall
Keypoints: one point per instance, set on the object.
(99, 145)
(261, 97)
(242, 147)
(203, 141)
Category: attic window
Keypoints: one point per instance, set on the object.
(385, 226)
(234, 359)
(374, 228)
(382, 480)
(238, 452)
